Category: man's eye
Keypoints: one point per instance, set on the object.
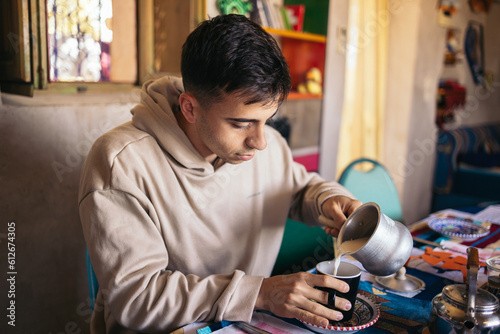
(241, 125)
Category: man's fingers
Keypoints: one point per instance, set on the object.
(334, 232)
(338, 208)
(353, 207)
(317, 314)
(326, 281)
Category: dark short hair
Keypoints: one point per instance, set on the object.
(231, 54)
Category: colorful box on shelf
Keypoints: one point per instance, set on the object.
(295, 15)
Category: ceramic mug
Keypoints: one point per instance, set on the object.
(346, 272)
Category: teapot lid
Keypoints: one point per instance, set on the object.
(401, 282)
(457, 294)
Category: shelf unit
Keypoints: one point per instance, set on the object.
(297, 35)
(302, 52)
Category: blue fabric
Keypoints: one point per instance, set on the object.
(478, 182)
(454, 144)
(92, 281)
(400, 314)
(213, 327)
(455, 186)
(481, 159)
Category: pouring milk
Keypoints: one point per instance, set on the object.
(346, 247)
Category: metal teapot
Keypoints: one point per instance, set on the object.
(464, 308)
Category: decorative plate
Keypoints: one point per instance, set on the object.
(458, 228)
(366, 313)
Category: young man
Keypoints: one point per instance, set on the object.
(183, 208)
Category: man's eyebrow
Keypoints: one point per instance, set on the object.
(249, 120)
(243, 120)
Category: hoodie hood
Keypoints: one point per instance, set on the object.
(155, 115)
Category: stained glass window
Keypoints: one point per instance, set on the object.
(79, 39)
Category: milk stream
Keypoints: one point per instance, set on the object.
(347, 247)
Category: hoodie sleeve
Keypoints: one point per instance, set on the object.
(130, 259)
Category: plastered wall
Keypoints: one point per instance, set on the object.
(43, 144)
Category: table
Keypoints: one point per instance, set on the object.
(399, 312)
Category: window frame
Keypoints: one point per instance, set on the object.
(33, 14)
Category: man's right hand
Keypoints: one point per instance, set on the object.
(294, 296)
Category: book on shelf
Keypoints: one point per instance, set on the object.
(295, 14)
(259, 7)
(277, 15)
(286, 22)
(271, 14)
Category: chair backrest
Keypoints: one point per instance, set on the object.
(373, 185)
(92, 280)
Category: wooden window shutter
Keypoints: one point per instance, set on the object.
(16, 71)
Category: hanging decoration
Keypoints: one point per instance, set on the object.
(451, 97)
(448, 10)
(474, 51)
(242, 7)
(453, 52)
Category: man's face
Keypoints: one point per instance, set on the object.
(232, 130)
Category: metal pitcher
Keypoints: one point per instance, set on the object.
(387, 243)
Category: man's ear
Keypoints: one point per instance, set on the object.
(188, 104)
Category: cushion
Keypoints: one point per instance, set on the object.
(481, 159)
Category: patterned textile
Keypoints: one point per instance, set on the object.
(397, 313)
(452, 144)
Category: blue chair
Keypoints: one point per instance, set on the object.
(92, 280)
(373, 185)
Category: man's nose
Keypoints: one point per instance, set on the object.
(257, 139)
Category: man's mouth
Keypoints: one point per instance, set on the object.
(246, 156)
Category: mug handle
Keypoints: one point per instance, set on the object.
(331, 298)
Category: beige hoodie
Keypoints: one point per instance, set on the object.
(174, 241)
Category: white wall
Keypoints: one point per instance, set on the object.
(411, 89)
(482, 105)
(416, 53)
(333, 97)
